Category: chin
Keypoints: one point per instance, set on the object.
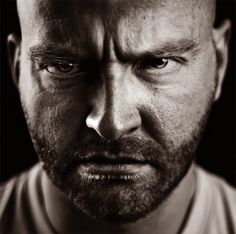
(120, 203)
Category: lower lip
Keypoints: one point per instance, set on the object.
(115, 172)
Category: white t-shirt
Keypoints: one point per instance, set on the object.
(22, 207)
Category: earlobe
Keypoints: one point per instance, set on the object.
(14, 49)
(221, 38)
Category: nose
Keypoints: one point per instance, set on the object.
(114, 113)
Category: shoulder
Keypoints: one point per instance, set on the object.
(15, 186)
(220, 189)
(9, 192)
(221, 198)
(14, 199)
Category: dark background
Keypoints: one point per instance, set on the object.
(217, 149)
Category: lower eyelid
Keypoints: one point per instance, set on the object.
(60, 83)
(157, 74)
(64, 76)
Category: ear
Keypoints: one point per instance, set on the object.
(14, 49)
(221, 38)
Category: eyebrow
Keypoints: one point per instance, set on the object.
(168, 48)
(55, 54)
(64, 54)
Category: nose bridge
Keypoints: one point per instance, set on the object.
(115, 89)
(113, 113)
(115, 109)
(114, 77)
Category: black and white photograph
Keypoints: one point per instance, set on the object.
(117, 117)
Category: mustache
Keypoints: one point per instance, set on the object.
(127, 150)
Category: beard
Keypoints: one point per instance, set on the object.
(109, 200)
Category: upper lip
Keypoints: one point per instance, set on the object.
(107, 158)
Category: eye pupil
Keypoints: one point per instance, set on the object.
(63, 67)
(153, 63)
(160, 63)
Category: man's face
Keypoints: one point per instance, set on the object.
(116, 94)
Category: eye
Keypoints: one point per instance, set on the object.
(62, 69)
(153, 69)
(63, 75)
(158, 63)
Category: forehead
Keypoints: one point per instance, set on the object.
(128, 22)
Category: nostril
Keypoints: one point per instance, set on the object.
(131, 130)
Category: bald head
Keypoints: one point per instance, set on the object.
(110, 11)
(56, 21)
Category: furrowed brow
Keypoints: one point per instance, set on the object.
(179, 47)
(54, 54)
(170, 48)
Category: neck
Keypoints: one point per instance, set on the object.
(168, 217)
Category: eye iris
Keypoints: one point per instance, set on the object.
(154, 63)
(63, 67)
(160, 63)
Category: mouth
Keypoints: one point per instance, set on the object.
(119, 168)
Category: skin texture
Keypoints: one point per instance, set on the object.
(117, 100)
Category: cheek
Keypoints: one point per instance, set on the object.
(179, 117)
(56, 118)
(182, 107)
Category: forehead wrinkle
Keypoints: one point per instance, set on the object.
(113, 8)
(122, 20)
(45, 13)
(79, 27)
(166, 20)
(49, 10)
